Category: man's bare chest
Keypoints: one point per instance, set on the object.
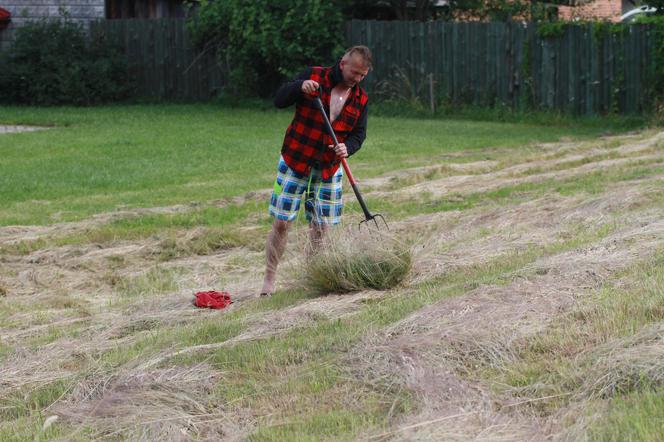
(337, 100)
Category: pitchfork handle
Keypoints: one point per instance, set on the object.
(344, 163)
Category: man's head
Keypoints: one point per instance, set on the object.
(355, 65)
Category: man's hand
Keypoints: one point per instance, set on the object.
(309, 87)
(340, 150)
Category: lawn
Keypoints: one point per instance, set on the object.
(103, 159)
(533, 311)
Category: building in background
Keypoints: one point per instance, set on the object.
(85, 11)
(607, 10)
(145, 9)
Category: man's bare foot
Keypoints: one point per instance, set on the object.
(268, 290)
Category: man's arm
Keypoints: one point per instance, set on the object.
(358, 134)
(291, 91)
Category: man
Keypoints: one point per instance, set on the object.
(309, 160)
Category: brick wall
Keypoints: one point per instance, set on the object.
(82, 11)
(609, 10)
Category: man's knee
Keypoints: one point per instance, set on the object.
(280, 226)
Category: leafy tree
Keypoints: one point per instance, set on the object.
(488, 10)
(659, 4)
(408, 9)
(263, 41)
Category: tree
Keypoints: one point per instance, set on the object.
(263, 41)
(659, 4)
(404, 10)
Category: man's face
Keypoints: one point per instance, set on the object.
(353, 70)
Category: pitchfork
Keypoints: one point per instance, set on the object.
(367, 215)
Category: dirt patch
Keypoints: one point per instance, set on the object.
(5, 129)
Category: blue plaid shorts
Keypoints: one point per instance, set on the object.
(322, 198)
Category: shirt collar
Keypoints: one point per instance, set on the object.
(336, 74)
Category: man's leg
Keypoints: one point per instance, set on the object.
(317, 234)
(324, 206)
(274, 250)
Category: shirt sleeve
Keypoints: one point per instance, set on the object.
(291, 91)
(358, 134)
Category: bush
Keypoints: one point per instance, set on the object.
(56, 62)
(656, 23)
(264, 41)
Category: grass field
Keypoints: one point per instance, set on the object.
(104, 159)
(534, 309)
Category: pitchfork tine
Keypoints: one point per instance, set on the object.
(373, 218)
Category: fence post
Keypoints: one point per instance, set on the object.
(432, 100)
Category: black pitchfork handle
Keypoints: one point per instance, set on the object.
(367, 215)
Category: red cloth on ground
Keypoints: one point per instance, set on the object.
(213, 299)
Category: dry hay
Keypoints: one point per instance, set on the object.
(351, 260)
(436, 348)
(436, 351)
(162, 404)
(623, 365)
(632, 154)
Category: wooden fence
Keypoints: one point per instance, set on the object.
(582, 70)
(163, 60)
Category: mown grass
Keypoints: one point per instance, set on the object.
(157, 280)
(261, 373)
(600, 354)
(165, 225)
(305, 363)
(638, 416)
(104, 159)
(591, 183)
(170, 227)
(352, 261)
(296, 383)
(28, 429)
(221, 228)
(32, 401)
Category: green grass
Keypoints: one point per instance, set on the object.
(103, 159)
(296, 380)
(265, 373)
(32, 400)
(298, 384)
(157, 280)
(29, 429)
(635, 417)
(597, 351)
(506, 115)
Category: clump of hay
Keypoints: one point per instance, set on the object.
(627, 364)
(160, 404)
(349, 260)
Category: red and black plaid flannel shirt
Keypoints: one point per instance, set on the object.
(306, 141)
